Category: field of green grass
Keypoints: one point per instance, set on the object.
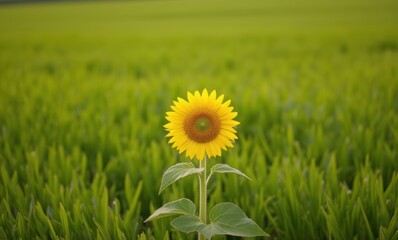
(84, 88)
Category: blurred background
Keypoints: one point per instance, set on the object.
(84, 87)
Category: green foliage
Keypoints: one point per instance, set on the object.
(225, 168)
(84, 89)
(225, 218)
(178, 171)
(181, 206)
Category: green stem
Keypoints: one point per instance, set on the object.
(202, 195)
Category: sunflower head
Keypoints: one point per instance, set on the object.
(201, 126)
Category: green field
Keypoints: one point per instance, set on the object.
(84, 88)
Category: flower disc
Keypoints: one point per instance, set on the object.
(201, 126)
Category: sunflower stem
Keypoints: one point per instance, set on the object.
(202, 195)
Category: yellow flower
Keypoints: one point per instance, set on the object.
(201, 126)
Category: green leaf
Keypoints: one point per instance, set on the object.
(188, 223)
(64, 221)
(225, 218)
(225, 168)
(180, 206)
(178, 171)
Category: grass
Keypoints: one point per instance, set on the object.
(84, 88)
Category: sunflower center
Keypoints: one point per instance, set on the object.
(202, 127)
(202, 124)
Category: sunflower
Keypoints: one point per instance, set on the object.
(201, 126)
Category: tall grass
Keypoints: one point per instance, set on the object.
(84, 88)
